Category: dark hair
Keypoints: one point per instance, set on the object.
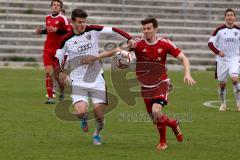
(63, 11)
(59, 1)
(230, 10)
(150, 19)
(78, 12)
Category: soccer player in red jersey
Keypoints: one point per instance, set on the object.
(154, 50)
(56, 26)
(151, 53)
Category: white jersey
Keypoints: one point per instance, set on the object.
(75, 47)
(226, 40)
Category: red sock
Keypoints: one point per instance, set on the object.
(169, 121)
(161, 126)
(49, 85)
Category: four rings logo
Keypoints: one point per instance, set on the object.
(85, 47)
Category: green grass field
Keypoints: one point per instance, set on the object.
(30, 130)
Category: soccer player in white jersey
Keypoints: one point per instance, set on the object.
(87, 80)
(225, 43)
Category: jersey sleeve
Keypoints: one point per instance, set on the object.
(61, 53)
(172, 48)
(213, 41)
(115, 31)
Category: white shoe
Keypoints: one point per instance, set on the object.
(54, 95)
(223, 107)
(97, 140)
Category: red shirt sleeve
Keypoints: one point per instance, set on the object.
(172, 49)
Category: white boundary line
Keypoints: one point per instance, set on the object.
(212, 104)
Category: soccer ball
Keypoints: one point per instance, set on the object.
(122, 59)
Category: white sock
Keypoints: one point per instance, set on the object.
(236, 91)
(222, 95)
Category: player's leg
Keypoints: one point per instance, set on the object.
(99, 97)
(155, 112)
(48, 65)
(222, 95)
(81, 112)
(80, 109)
(54, 89)
(170, 122)
(233, 72)
(174, 124)
(162, 99)
(80, 102)
(160, 121)
(222, 74)
(99, 123)
(57, 80)
(154, 108)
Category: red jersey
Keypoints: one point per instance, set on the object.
(52, 40)
(151, 60)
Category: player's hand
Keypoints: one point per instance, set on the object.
(132, 43)
(38, 30)
(51, 29)
(189, 80)
(221, 54)
(89, 59)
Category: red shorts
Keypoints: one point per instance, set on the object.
(49, 59)
(160, 92)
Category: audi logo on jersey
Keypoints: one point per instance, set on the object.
(85, 47)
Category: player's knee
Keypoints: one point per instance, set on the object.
(99, 118)
(234, 80)
(80, 112)
(222, 85)
(80, 108)
(156, 109)
(49, 69)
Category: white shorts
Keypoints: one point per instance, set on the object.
(225, 69)
(96, 91)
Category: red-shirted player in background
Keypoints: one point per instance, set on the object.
(56, 26)
(151, 54)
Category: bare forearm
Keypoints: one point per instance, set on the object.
(187, 76)
(105, 54)
(186, 65)
(184, 60)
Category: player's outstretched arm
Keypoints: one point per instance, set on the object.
(187, 75)
(89, 59)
